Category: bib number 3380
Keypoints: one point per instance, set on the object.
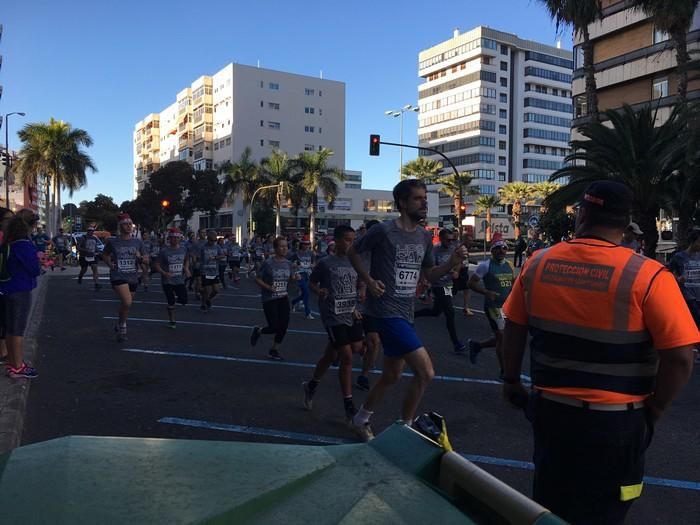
(406, 280)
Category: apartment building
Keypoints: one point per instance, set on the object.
(634, 62)
(498, 106)
(214, 119)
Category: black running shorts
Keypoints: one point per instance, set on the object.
(175, 290)
(343, 335)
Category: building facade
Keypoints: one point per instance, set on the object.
(498, 106)
(634, 62)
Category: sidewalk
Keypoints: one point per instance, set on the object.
(14, 392)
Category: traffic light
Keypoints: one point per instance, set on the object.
(463, 207)
(374, 145)
(165, 203)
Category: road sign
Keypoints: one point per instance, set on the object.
(534, 221)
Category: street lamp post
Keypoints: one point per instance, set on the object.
(252, 201)
(399, 113)
(7, 155)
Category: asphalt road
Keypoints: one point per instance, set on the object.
(204, 381)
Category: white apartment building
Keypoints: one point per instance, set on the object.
(498, 106)
(213, 120)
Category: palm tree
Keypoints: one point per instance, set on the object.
(421, 168)
(674, 17)
(634, 152)
(54, 150)
(277, 168)
(579, 14)
(242, 177)
(450, 186)
(315, 175)
(517, 194)
(484, 204)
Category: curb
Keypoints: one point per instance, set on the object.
(13, 392)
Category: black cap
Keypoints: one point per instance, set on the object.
(609, 196)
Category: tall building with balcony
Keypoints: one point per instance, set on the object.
(634, 62)
(498, 106)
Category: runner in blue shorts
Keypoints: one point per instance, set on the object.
(401, 253)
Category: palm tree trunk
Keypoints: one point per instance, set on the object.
(516, 218)
(682, 59)
(589, 75)
(647, 223)
(278, 215)
(59, 209)
(488, 225)
(48, 180)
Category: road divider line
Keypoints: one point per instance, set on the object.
(191, 355)
(195, 305)
(200, 323)
(312, 438)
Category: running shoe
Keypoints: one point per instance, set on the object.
(121, 333)
(460, 349)
(308, 396)
(364, 431)
(25, 371)
(350, 411)
(310, 317)
(80, 280)
(255, 335)
(474, 350)
(275, 355)
(468, 312)
(172, 324)
(362, 383)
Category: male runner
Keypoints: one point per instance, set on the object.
(493, 279)
(174, 265)
(209, 257)
(123, 255)
(273, 278)
(87, 251)
(195, 251)
(334, 280)
(60, 243)
(303, 258)
(368, 326)
(145, 266)
(442, 290)
(401, 252)
(235, 254)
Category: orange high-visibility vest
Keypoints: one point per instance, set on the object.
(584, 301)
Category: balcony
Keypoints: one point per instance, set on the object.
(185, 140)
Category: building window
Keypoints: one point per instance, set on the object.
(309, 92)
(659, 88)
(309, 129)
(580, 106)
(660, 36)
(261, 104)
(501, 161)
(228, 141)
(501, 176)
(320, 112)
(504, 82)
(504, 50)
(320, 93)
(273, 125)
(262, 142)
(273, 143)
(502, 129)
(273, 105)
(503, 98)
(273, 85)
(578, 57)
(501, 144)
(262, 124)
(309, 111)
(320, 130)
(504, 66)
(502, 113)
(308, 147)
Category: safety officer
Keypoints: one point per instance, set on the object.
(611, 347)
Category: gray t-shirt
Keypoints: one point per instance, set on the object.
(304, 259)
(276, 273)
(398, 257)
(209, 260)
(123, 253)
(194, 248)
(687, 265)
(88, 246)
(234, 252)
(441, 256)
(172, 260)
(337, 275)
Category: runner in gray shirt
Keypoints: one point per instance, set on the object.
(123, 255)
(209, 256)
(273, 278)
(401, 252)
(173, 264)
(371, 336)
(335, 281)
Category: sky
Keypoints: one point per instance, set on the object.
(103, 66)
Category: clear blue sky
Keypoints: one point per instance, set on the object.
(102, 66)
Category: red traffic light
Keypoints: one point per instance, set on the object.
(374, 142)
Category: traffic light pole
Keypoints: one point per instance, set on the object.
(454, 169)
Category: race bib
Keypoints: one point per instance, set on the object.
(126, 265)
(447, 290)
(89, 259)
(406, 280)
(279, 288)
(343, 306)
(692, 277)
(497, 316)
(305, 265)
(176, 268)
(211, 277)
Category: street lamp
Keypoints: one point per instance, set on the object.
(399, 113)
(252, 200)
(7, 154)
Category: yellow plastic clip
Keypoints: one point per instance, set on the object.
(443, 440)
(630, 492)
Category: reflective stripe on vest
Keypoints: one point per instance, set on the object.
(604, 353)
